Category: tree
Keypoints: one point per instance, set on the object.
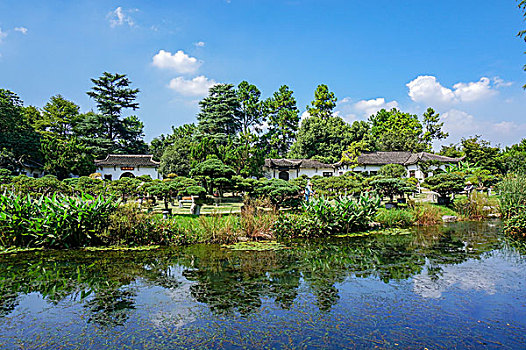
(176, 158)
(219, 117)
(322, 137)
(433, 127)
(58, 117)
(279, 192)
(323, 104)
(250, 107)
(480, 152)
(396, 131)
(159, 144)
(283, 119)
(112, 133)
(445, 184)
(18, 139)
(393, 171)
(389, 187)
(65, 157)
(213, 172)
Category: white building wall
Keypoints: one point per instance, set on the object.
(295, 173)
(310, 172)
(116, 171)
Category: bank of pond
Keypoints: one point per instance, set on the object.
(60, 221)
(455, 285)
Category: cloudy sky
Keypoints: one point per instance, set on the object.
(460, 57)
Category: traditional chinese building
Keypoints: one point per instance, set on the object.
(117, 166)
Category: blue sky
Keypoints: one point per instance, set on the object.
(461, 57)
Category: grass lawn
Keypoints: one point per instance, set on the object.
(223, 208)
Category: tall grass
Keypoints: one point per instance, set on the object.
(512, 196)
(513, 204)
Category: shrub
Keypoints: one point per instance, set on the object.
(323, 218)
(279, 192)
(445, 184)
(55, 222)
(393, 170)
(516, 225)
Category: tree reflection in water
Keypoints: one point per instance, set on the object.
(236, 281)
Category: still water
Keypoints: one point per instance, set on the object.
(455, 286)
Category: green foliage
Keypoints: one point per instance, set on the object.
(53, 221)
(445, 184)
(58, 117)
(65, 157)
(279, 192)
(251, 109)
(393, 171)
(433, 127)
(396, 131)
(322, 136)
(323, 104)
(512, 196)
(108, 132)
(324, 218)
(219, 116)
(283, 120)
(18, 139)
(390, 187)
(176, 158)
(480, 152)
(475, 206)
(335, 186)
(213, 172)
(395, 217)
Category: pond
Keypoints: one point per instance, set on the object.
(460, 285)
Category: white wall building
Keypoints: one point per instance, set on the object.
(117, 166)
(288, 169)
(368, 163)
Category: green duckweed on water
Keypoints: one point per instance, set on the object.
(256, 246)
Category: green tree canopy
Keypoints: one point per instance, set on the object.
(325, 137)
(393, 171)
(219, 117)
(323, 104)
(283, 120)
(18, 139)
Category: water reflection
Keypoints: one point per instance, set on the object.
(107, 285)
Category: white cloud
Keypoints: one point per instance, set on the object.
(469, 92)
(197, 86)
(501, 82)
(426, 89)
(118, 17)
(180, 62)
(200, 44)
(370, 107)
(3, 35)
(304, 115)
(459, 122)
(22, 30)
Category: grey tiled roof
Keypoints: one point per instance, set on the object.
(403, 158)
(296, 163)
(128, 160)
(369, 158)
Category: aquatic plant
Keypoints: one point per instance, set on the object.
(55, 221)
